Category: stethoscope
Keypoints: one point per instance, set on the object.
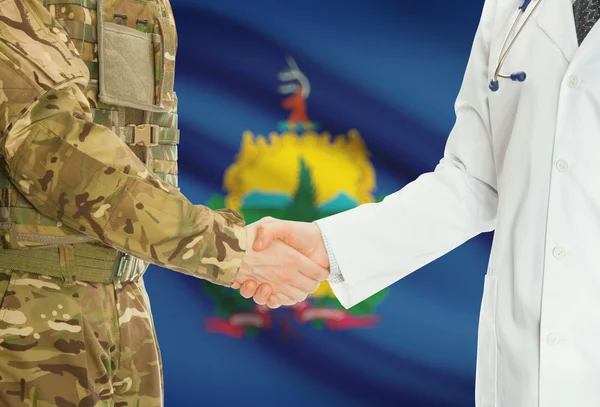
(517, 76)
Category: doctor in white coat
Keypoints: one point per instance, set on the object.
(523, 160)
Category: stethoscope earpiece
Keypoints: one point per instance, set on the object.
(518, 76)
(494, 85)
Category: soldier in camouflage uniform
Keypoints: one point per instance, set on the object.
(89, 197)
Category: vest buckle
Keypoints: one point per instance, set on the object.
(144, 134)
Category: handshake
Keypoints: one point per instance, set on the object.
(284, 262)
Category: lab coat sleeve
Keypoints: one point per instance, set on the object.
(377, 244)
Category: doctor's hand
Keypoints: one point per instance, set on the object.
(303, 237)
(286, 273)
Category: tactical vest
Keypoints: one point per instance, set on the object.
(129, 48)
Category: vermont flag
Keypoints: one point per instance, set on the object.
(299, 110)
(301, 174)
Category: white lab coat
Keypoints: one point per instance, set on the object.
(524, 161)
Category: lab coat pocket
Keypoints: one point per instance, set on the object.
(485, 381)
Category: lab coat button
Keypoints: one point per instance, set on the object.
(562, 165)
(573, 81)
(559, 253)
(553, 339)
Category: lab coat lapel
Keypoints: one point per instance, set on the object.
(556, 19)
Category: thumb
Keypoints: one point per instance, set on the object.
(267, 232)
(263, 239)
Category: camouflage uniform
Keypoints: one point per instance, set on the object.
(89, 197)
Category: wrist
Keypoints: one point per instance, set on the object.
(244, 270)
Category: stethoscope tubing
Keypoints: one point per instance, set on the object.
(505, 50)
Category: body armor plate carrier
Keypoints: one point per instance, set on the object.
(129, 47)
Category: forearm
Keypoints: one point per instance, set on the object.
(83, 175)
(378, 244)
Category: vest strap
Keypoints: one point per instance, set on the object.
(148, 135)
(86, 262)
(89, 4)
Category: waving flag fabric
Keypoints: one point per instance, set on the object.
(298, 110)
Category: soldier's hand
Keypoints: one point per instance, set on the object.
(283, 271)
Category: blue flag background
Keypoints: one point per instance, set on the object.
(391, 70)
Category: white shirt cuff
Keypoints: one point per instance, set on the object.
(335, 274)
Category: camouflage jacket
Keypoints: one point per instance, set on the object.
(80, 173)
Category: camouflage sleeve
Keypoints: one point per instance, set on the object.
(81, 173)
